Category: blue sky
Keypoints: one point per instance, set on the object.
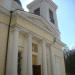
(66, 19)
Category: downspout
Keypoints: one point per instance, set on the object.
(7, 43)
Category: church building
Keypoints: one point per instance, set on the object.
(30, 42)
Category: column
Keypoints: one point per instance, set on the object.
(29, 55)
(24, 59)
(12, 53)
(44, 62)
(52, 60)
(49, 65)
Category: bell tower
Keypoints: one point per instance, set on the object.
(45, 9)
(11, 4)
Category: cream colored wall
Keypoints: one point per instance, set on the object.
(4, 20)
(58, 65)
(3, 38)
(58, 53)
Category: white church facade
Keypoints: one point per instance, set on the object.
(30, 42)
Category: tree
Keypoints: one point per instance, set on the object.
(70, 61)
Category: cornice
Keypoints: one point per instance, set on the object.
(50, 2)
(44, 24)
(38, 2)
(25, 16)
(33, 3)
(39, 37)
(60, 42)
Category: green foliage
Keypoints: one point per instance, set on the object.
(70, 61)
(19, 63)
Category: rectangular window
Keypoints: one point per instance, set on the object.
(34, 47)
(35, 52)
(34, 59)
(37, 11)
(51, 16)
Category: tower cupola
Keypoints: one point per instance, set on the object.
(44, 8)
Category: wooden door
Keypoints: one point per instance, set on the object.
(36, 69)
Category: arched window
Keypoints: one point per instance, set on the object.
(51, 16)
(37, 11)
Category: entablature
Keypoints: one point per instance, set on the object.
(40, 22)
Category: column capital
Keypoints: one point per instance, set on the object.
(43, 40)
(15, 28)
(29, 34)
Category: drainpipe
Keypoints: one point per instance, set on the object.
(7, 43)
